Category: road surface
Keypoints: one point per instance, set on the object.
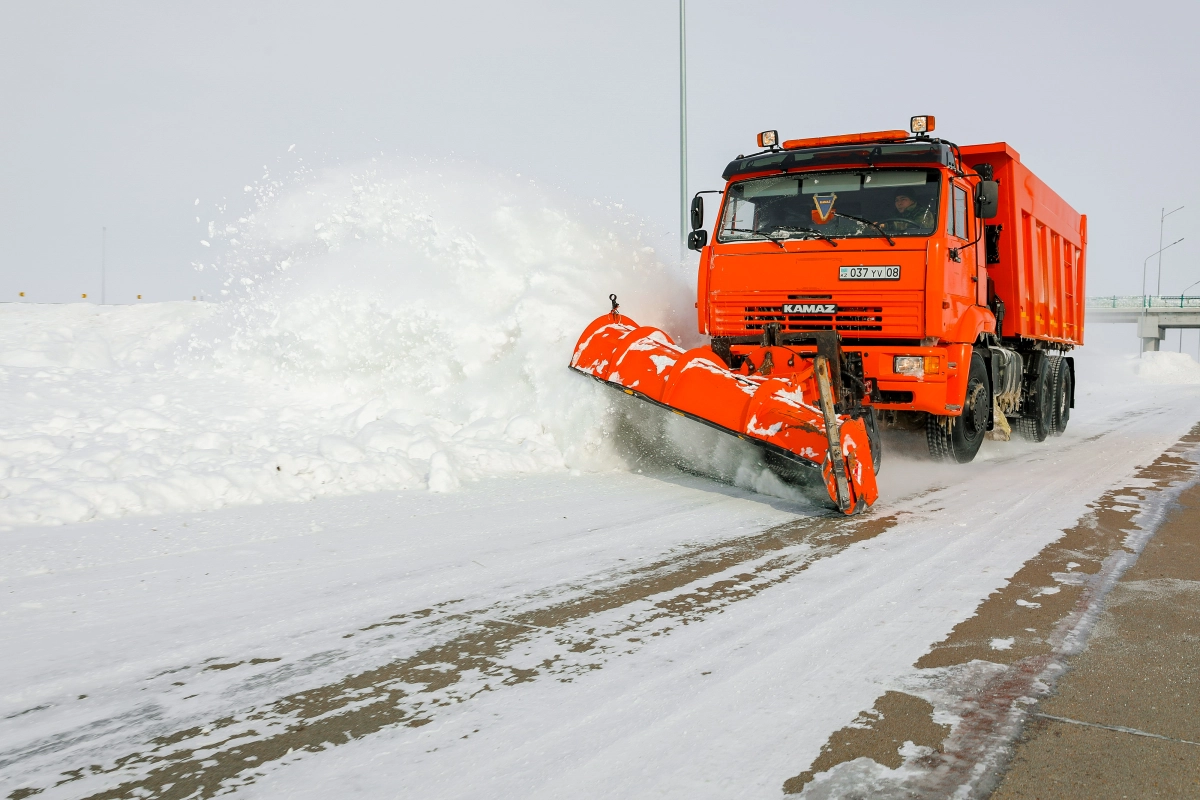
(604, 635)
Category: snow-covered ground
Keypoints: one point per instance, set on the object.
(357, 531)
(541, 629)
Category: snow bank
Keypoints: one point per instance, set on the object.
(88, 337)
(1109, 364)
(1167, 368)
(380, 329)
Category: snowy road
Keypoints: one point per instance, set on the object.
(600, 635)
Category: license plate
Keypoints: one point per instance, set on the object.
(868, 273)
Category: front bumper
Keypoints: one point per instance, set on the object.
(940, 392)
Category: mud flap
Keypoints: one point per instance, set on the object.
(1002, 432)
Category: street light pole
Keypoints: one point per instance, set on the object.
(1158, 253)
(103, 262)
(1161, 219)
(683, 209)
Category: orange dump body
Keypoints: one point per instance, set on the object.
(1037, 260)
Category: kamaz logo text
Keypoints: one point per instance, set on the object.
(809, 308)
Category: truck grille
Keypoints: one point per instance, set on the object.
(856, 316)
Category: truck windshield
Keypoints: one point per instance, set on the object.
(858, 203)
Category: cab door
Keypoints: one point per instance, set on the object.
(961, 269)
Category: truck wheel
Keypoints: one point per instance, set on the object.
(1040, 423)
(1062, 396)
(958, 438)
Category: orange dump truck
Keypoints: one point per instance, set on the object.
(864, 281)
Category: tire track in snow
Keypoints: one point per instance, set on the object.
(557, 633)
(543, 635)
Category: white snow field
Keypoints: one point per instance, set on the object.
(600, 634)
(356, 531)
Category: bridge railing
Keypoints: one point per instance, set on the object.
(1144, 301)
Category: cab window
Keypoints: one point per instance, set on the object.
(956, 221)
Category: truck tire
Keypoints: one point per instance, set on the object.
(958, 438)
(1039, 420)
(1062, 395)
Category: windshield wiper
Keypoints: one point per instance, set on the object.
(766, 236)
(872, 223)
(805, 230)
(789, 228)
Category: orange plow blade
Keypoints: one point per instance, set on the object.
(787, 410)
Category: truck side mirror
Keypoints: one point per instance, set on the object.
(697, 239)
(987, 199)
(697, 215)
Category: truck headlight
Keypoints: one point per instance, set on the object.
(909, 365)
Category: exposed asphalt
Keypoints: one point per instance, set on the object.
(1122, 723)
(1125, 719)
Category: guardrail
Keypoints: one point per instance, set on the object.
(1144, 301)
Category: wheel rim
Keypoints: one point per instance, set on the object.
(974, 418)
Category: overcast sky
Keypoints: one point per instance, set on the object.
(122, 114)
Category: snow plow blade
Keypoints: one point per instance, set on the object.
(780, 399)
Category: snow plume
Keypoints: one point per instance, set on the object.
(455, 299)
(653, 440)
(381, 329)
(421, 281)
(450, 298)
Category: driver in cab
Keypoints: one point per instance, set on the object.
(910, 213)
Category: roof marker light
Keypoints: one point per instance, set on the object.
(921, 124)
(768, 139)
